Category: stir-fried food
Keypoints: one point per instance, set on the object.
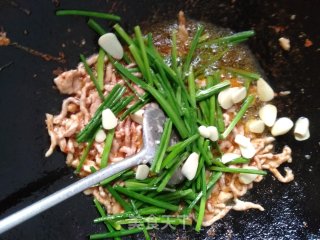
(216, 101)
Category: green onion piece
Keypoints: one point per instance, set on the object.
(92, 77)
(208, 92)
(161, 150)
(242, 73)
(107, 148)
(93, 169)
(192, 49)
(239, 160)
(119, 199)
(84, 155)
(103, 214)
(178, 149)
(107, 16)
(246, 104)
(203, 200)
(116, 234)
(238, 170)
(96, 27)
(183, 220)
(123, 34)
(146, 199)
(100, 68)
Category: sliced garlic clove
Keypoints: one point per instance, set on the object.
(264, 91)
(228, 157)
(247, 178)
(100, 136)
(204, 131)
(242, 140)
(213, 133)
(142, 172)
(248, 152)
(238, 94)
(268, 114)
(110, 43)
(225, 98)
(137, 116)
(281, 126)
(301, 129)
(109, 120)
(190, 166)
(285, 43)
(256, 126)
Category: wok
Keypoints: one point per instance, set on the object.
(27, 93)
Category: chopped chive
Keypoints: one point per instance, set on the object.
(161, 150)
(178, 149)
(183, 220)
(142, 211)
(208, 92)
(88, 131)
(186, 194)
(205, 111)
(137, 57)
(118, 198)
(146, 199)
(239, 170)
(219, 119)
(230, 39)
(136, 106)
(120, 233)
(192, 49)
(145, 232)
(92, 77)
(93, 169)
(168, 176)
(139, 37)
(84, 155)
(100, 68)
(103, 214)
(242, 73)
(239, 160)
(174, 51)
(96, 27)
(107, 16)
(246, 104)
(192, 88)
(204, 37)
(107, 148)
(123, 34)
(215, 176)
(203, 200)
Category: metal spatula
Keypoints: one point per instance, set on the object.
(152, 128)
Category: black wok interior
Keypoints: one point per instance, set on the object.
(27, 93)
